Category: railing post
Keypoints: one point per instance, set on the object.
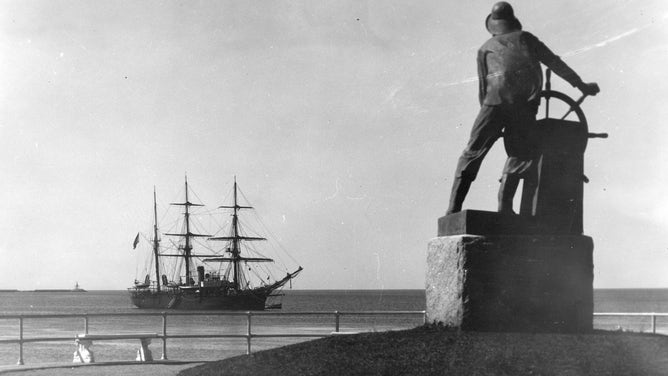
(248, 334)
(653, 323)
(20, 362)
(164, 336)
(336, 321)
(85, 324)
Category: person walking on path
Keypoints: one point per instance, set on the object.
(510, 80)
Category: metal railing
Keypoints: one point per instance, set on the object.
(164, 335)
(652, 315)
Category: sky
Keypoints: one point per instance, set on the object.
(342, 121)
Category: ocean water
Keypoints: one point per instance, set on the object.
(326, 301)
(97, 302)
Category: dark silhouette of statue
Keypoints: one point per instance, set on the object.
(510, 83)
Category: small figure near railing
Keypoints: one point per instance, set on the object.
(83, 354)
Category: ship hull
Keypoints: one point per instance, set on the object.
(205, 299)
(222, 300)
(145, 298)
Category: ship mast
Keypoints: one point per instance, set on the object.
(236, 238)
(156, 241)
(235, 241)
(188, 235)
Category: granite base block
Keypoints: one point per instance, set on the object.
(523, 283)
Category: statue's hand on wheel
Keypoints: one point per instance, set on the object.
(589, 88)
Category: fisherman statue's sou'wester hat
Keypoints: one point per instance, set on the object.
(502, 19)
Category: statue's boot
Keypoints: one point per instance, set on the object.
(507, 191)
(460, 187)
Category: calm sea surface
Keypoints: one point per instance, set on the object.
(92, 302)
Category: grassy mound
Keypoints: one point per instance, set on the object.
(439, 351)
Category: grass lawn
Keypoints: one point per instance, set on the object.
(433, 350)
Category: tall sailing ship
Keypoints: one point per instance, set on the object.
(195, 284)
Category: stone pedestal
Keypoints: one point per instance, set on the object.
(511, 282)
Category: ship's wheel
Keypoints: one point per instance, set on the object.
(557, 202)
(559, 106)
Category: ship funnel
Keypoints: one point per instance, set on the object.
(200, 273)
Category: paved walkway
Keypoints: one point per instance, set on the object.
(100, 369)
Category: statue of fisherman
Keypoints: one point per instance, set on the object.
(510, 81)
